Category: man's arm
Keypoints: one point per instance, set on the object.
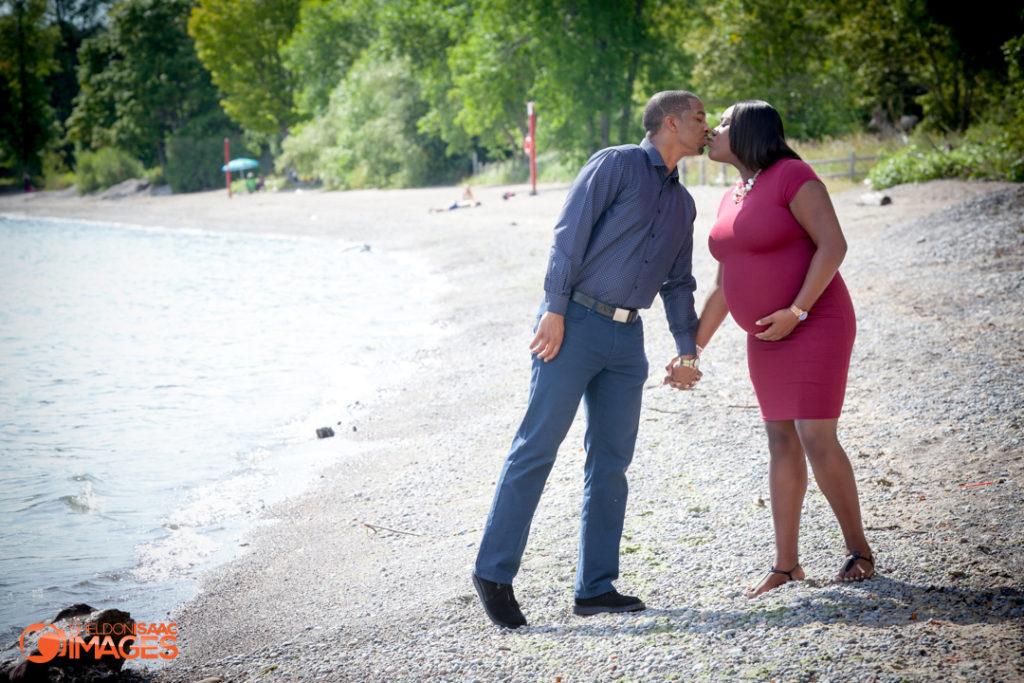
(677, 295)
(595, 188)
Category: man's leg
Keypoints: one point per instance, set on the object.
(612, 402)
(556, 388)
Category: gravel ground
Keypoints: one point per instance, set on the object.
(367, 578)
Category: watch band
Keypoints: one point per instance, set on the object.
(800, 313)
(691, 363)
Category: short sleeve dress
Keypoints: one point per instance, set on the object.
(765, 254)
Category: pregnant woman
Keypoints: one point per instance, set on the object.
(779, 246)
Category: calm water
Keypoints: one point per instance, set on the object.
(157, 388)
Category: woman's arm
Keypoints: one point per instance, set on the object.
(812, 208)
(714, 312)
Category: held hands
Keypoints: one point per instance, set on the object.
(548, 340)
(680, 376)
(780, 324)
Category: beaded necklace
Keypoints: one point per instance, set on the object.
(743, 190)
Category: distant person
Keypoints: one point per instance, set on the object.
(26, 181)
(625, 234)
(261, 181)
(250, 182)
(779, 246)
(465, 202)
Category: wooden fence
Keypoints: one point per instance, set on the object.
(724, 174)
(700, 170)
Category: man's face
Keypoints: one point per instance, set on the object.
(691, 128)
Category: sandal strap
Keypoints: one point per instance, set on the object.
(854, 557)
(773, 570)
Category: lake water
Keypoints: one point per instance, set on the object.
(157, 388)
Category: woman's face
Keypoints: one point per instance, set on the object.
(719, 149)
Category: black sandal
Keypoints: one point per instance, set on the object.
(773, 570)
(855, 556)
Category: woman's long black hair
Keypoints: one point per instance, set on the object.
(756, 136)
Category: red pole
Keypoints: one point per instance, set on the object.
(533, 146)
(227, 160)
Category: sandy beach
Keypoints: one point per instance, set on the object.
(366, 577)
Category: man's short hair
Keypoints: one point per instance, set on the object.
(666, 103)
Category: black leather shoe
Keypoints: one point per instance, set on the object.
(611, 601)
(499, 602)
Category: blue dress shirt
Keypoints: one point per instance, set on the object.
(624, 235)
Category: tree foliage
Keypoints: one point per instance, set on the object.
(582, 62)
(141, 82)
(327, 41)
(26, 59)
(586, 67)
(395, 92)
(368, 136)
(240, 43)
(75, 20)
(922, 57)
(779, 52)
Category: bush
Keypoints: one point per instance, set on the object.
(369, 136)
(105, 168)
(912, 165)
(983, 154)
(56, 175)
(194, 163)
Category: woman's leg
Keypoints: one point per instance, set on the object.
(787, 484)
(834, 474)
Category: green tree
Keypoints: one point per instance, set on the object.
(423, 32)
(492, 72)
(240, 42)
(368, 134)
(588, 64)
(26, 60)
(76, 20)
(142, 84)
(779, 52)
(924, 56)
(329, 38)
(411, 35)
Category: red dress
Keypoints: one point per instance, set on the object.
(765, 254)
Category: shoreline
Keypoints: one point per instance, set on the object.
(368, 572)
(155, 562)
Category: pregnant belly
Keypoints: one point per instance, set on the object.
(757, 285)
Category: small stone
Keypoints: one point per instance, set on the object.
(874, 199)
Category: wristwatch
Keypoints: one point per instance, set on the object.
(800, 313)
(692, 363)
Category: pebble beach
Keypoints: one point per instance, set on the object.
(366, 577)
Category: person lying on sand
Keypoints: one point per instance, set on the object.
(467, 201)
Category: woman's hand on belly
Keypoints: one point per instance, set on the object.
(780, 324)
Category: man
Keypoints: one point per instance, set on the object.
(625, 234)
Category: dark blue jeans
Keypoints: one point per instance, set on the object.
(603, 363)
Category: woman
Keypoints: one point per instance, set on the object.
(779, 246)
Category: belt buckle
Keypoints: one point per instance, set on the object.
(621, 315)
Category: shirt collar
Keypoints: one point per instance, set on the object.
(654, 157)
